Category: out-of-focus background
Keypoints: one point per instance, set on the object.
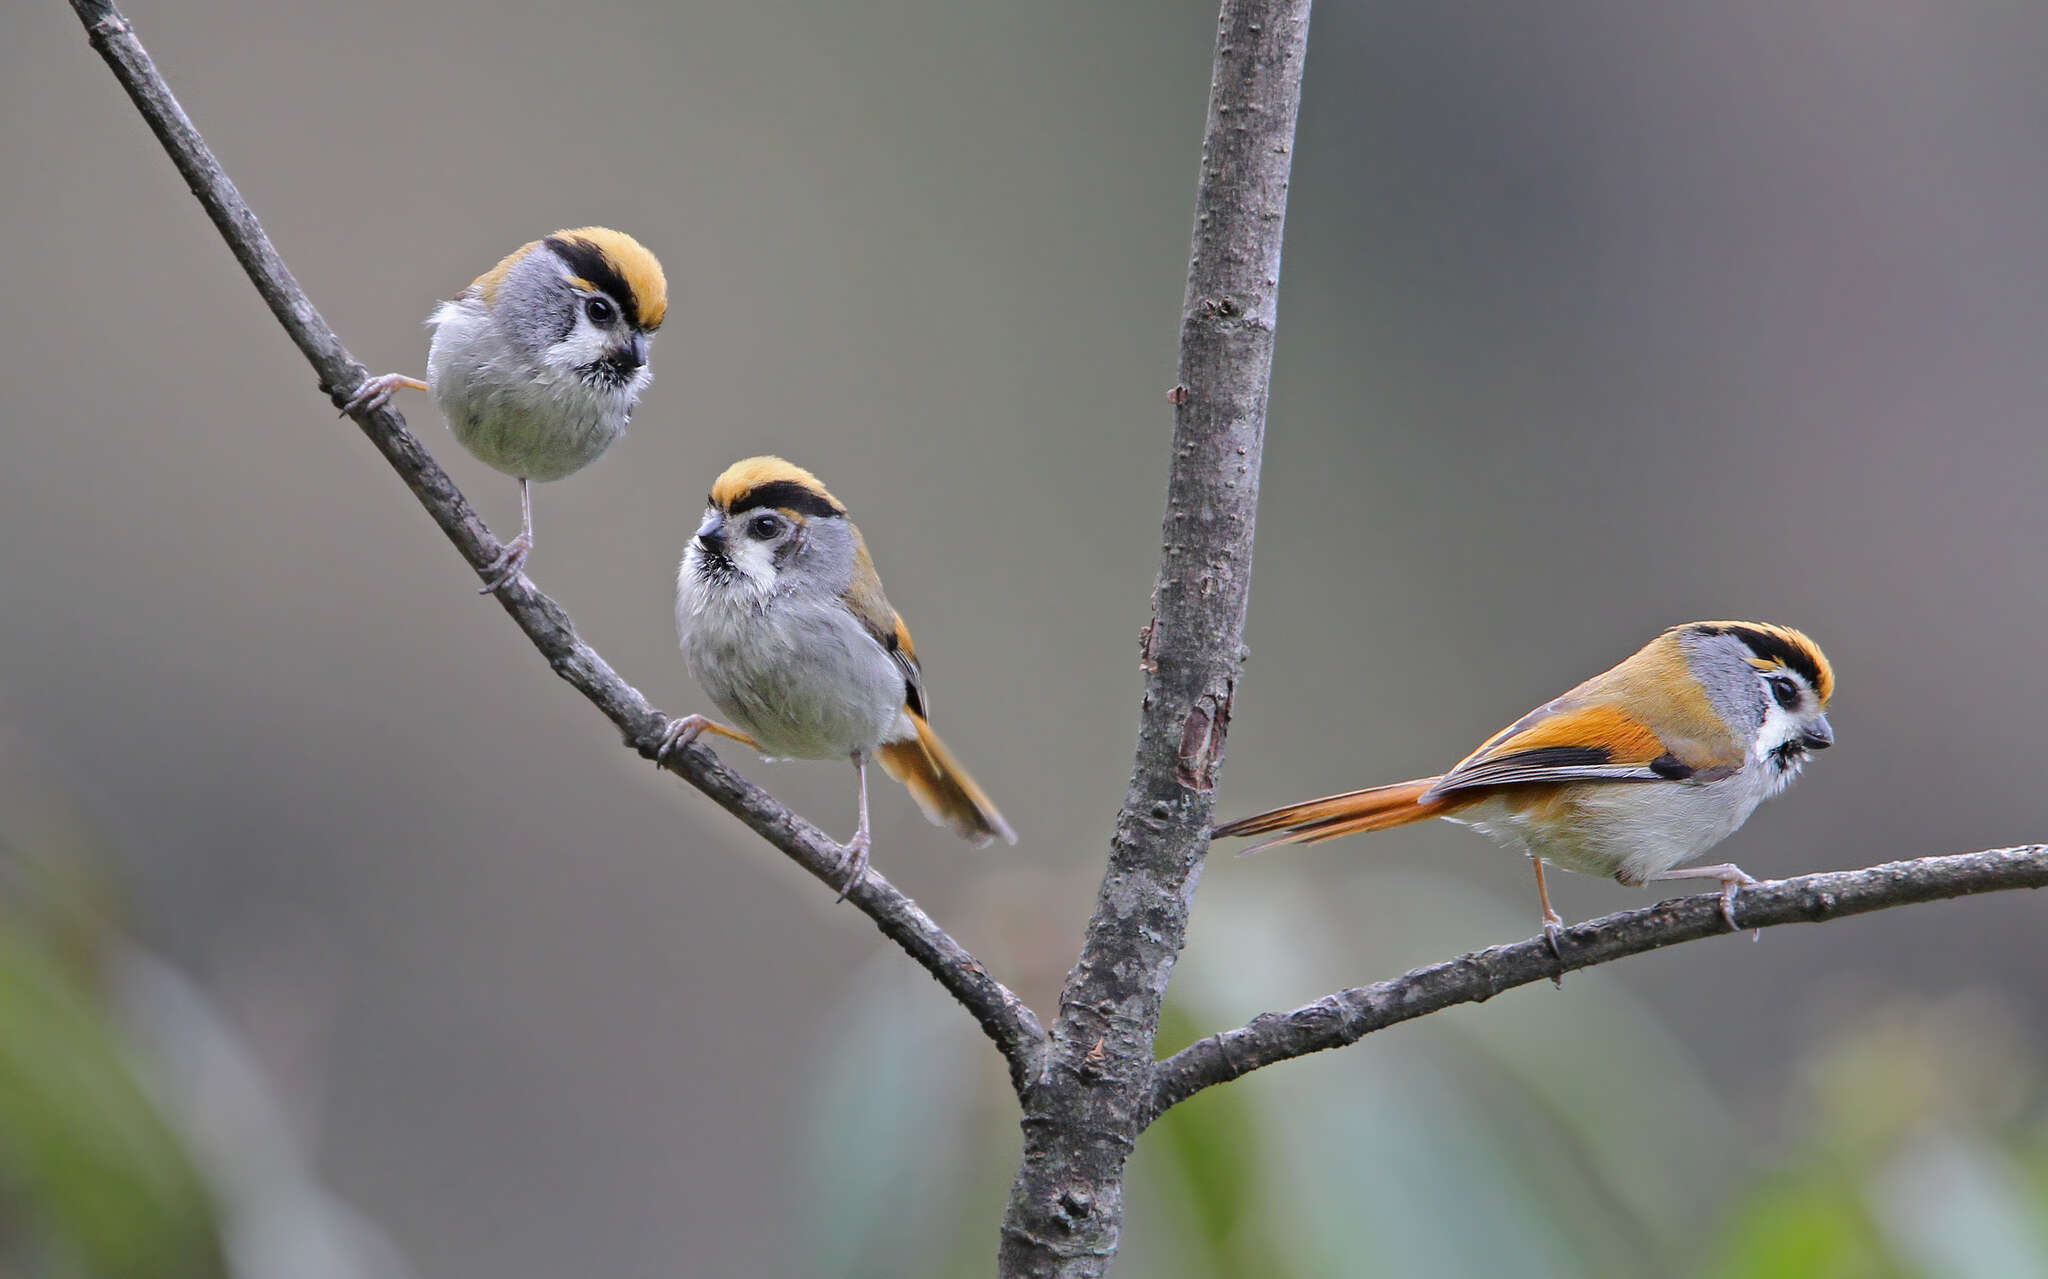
(336, 927)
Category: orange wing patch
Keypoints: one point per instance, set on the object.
(1626, 739)
(1585, 743)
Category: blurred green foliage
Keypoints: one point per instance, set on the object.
(1543, 1134)
(1917, 1146)
(102, 1183)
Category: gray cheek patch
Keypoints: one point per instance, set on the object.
(1721, 664)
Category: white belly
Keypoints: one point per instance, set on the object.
(805, 680)
(1626, 830)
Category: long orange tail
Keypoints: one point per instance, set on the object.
(1379, 808)
(942, 788)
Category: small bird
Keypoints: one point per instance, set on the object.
(783, 621)
(538, 363)
(1634, 771)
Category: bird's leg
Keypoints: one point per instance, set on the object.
(376, 392)
(681, 732)
(857, 847)
(1553, 923)
(1732, 878)
(512, 560)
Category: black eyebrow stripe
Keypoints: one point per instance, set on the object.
(1776, 648)
(590, 262)
(788, 495)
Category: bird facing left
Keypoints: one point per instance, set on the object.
(538, 364)
(783, 621)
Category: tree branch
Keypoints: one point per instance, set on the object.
(1005, 1018)
(1081, 1120)
(1091, 1087)
(1349, 1015)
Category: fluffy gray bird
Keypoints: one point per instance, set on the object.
(783, 621)
(538, 363)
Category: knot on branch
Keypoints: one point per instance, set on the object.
(1076, 1205)
(1201, 742)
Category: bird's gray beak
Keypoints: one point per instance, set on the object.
(1819, 734)
(711, 533)
(634, 356)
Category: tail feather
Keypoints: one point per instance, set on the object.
(1378, 808)
(941, 787)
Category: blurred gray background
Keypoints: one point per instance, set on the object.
(1597, 317)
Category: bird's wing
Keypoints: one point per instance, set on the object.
(864, 599)
(1572, 740)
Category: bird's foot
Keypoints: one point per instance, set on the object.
(1553, 932)
(679, 733)
(1732, 884)
(1733, 880)
(376, 392)
(688, 728)
(508, 566)
(856, 850)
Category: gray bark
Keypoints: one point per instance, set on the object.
(1348, 1015)
(1082, 1117)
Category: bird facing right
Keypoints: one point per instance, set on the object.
(537, 365)
(1640, 768)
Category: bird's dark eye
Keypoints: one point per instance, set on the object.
(763, 527)
(1784, 692)
(600, 310)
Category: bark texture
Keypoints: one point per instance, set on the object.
(1082, 1117)
(1348, 1015)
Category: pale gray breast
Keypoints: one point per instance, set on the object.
(802, 676)
(513, 413)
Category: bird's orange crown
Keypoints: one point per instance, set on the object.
(773, 482)
(600, 260)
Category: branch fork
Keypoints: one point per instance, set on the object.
(1090, 1085)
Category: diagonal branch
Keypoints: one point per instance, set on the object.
(1349, 1015)
(1005, 1018)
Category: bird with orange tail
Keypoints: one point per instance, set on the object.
(784, 623)
(1640, 768)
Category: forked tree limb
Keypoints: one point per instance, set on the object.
(1348, 1015)
(1091, 1087)
(1080, 1123)
(1005, 1018)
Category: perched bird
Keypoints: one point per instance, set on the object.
(538, 363)
(1634, 771)
(783, 621)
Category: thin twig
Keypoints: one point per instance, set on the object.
(1066, 1205)
(1348, 1015)
(1006, 1019)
